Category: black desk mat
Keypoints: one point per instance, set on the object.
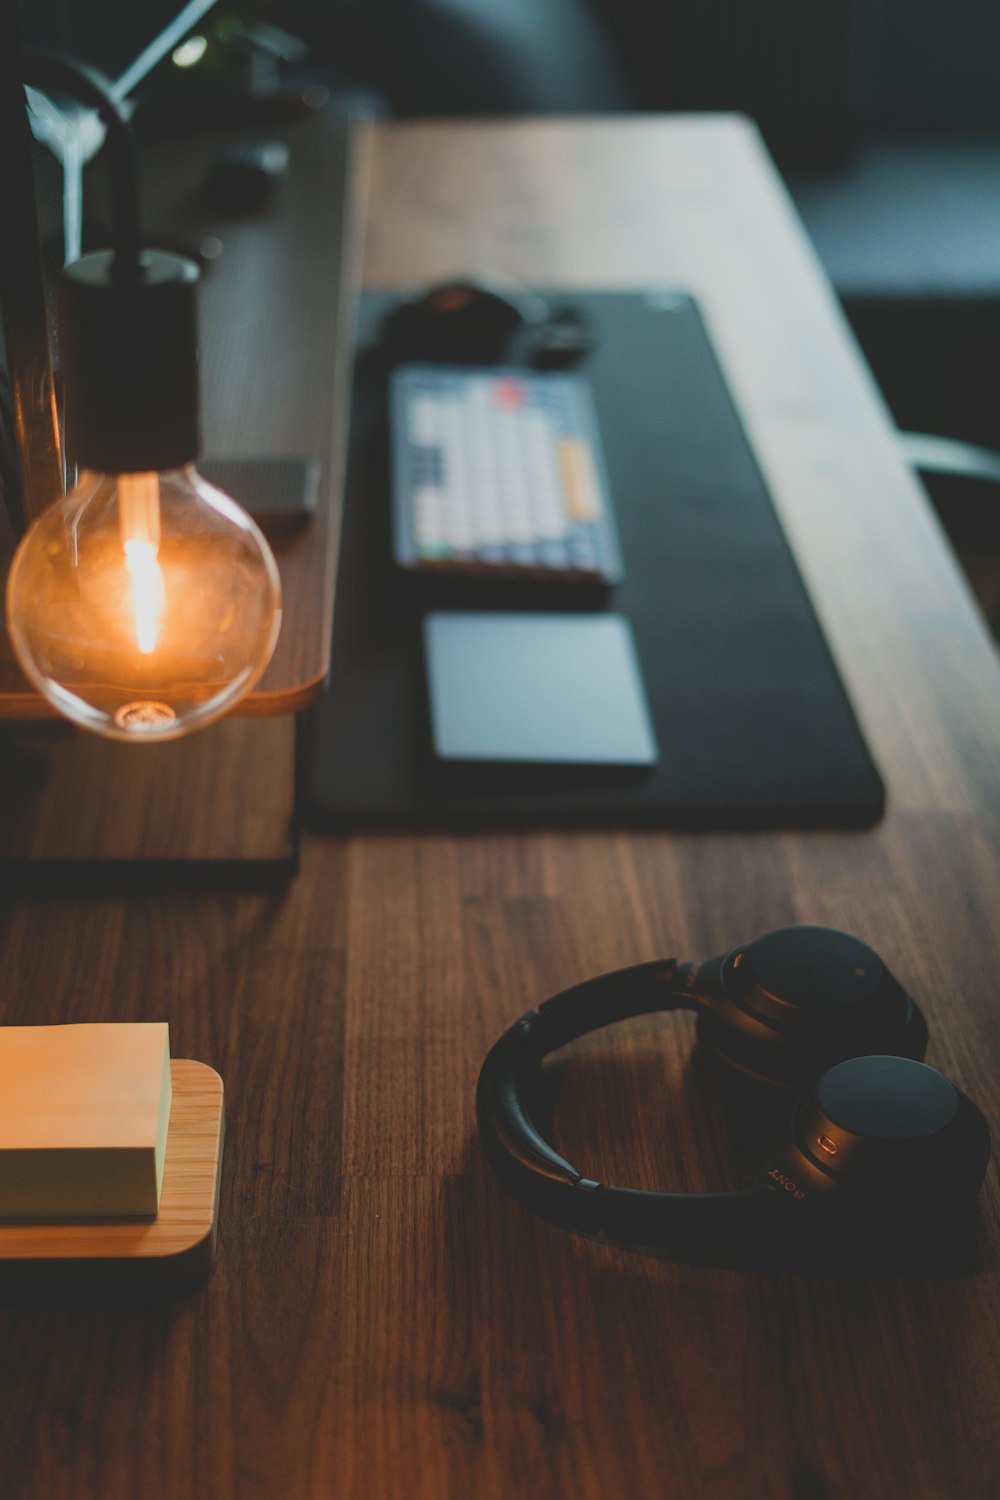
(754, 726)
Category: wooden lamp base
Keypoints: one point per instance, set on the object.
(174, 1252)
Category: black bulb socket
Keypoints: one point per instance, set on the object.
(129, 355)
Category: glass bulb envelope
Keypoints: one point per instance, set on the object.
(144, 606)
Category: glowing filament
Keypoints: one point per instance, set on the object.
(147, 592)
(139, 520)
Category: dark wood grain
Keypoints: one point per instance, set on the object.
(225, 795)
(383, 1322)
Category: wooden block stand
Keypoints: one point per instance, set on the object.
(174, 1252)
(275, 378)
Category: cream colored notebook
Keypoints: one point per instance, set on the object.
(84, 1112)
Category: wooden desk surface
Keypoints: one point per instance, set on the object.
(383, 1322)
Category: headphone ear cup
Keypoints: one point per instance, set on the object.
(795, 1002)
(753, 1057)
(893, 1142)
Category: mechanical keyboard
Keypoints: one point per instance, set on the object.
(499, 472)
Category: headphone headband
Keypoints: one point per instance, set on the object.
(535, 1173)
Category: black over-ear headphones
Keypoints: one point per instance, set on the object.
(876, 1138)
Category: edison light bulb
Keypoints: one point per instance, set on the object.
(144, 605)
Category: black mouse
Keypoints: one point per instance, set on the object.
(467, 322)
